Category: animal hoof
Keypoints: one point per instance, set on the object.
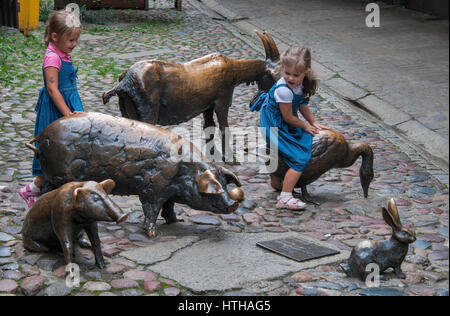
(151, 232)
(101, 265)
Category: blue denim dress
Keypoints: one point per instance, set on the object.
(46, 110)
(294, 144)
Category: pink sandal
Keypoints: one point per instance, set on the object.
(290, 202)
(28, 195)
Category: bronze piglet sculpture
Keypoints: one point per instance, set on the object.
(158, 165)
(60, 216)
(385, 254)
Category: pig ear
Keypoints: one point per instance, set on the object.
(230, 176)
(108, 185)
(76, 193)
(207, 183)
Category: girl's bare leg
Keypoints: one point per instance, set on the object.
(285, 199)
(290, 180)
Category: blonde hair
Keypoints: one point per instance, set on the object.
(62, 23)
(300, 57)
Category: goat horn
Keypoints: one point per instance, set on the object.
(273, 47)
(266, 45)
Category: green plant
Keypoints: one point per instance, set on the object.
(17, 54)
(45, 8)
(104, 66)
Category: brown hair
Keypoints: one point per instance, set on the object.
(62, 23)
(300, 57)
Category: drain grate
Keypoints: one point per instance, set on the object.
(298, 249)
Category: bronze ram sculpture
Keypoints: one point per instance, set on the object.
(165, 93)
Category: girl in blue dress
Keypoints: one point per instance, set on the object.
(280, 108)
(59, 97)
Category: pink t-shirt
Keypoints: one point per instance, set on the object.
(53, 55)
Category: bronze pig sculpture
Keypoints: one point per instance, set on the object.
(165, 93)
(139, 157)
(329, 150)
(60, 216)
(385, 254)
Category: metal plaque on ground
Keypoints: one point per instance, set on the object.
(298, 249)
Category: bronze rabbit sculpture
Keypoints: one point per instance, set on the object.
(386, 254)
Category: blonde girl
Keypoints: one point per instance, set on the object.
(280, 108)
(59, 97)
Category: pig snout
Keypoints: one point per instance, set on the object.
(115, 212)
(237, 195)
(122, 218)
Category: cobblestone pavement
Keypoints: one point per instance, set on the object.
(343, 219)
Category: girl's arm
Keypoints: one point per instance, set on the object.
(51, 81)
(291, 119)
(306, 112)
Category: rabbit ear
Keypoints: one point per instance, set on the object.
(392, 208)
(390, 217)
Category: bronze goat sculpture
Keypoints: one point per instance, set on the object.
(165, 93)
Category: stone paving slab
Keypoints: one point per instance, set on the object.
(384, 111)
(233, 261)
(158, 252)
(435, 144)
(346, 89)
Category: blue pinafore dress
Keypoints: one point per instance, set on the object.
(46, 110)
(294, 144)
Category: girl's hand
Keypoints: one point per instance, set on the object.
(320, 126)
(311, 129)
(71, 113)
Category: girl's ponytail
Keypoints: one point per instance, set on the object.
(310, 83)
(60, 22)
